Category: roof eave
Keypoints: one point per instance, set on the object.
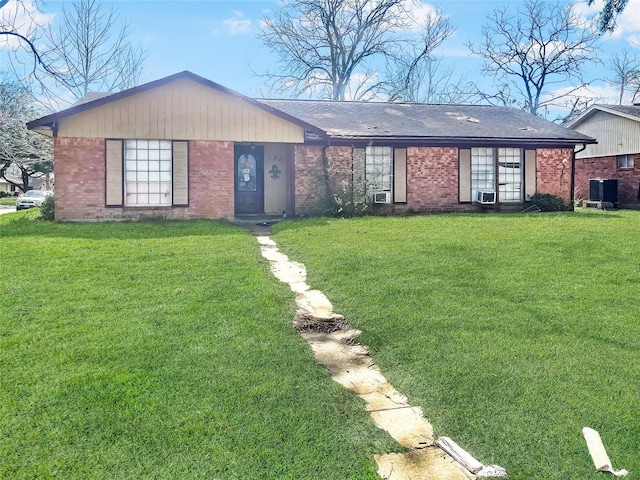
(460, 141)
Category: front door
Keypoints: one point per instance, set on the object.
(249, 179)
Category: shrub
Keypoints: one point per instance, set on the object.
(47, 209)
(550, 203)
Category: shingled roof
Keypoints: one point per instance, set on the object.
(404, 121)
(420, 124)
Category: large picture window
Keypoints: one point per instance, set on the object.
(379, 169)
(147, 172)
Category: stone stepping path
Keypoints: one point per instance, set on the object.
(350, 365)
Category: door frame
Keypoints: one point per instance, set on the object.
(258, 153)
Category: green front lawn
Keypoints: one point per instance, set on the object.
(162, 350)
(513, 332)
(9, 201)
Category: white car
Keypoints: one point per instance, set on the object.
(33, 198)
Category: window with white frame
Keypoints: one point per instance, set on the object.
(483, 169)
(509, 174)
(147, 172)
(379, 169)
(506, 173)
(624, 161)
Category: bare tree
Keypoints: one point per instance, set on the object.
(607, 17)
(19, 23)
(324, 46)
(534, 49)
(419, 75)
(90, 51)
(28, 152)
(625, 67)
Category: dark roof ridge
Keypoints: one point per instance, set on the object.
(377, 102)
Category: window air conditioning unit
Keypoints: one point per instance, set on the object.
(485, 197)
(382, 197)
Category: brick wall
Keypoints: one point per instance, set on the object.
(605, 167)
(80, 183)
(432, 179)
(211, 189)
(79, 169)
(340, 165)
(310, 179)
(553, 174)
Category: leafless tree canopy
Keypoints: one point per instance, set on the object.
(356, 49)
(611, 9)
(530, 50)
(418, 75)
(17, 22)
(90, 51)
(30, 152)
(625, 66)
(321, 43)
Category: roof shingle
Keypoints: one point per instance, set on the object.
(405, 120)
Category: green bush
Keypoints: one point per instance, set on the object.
(550, 203)
(48, 209)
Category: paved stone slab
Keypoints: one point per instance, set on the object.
(265, 240)
(425, 464)
(385, 398)
(316, 303)
(273, 254)
(406, 425)
(289, 272)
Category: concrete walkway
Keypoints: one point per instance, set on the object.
(350, 364)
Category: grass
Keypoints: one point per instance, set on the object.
(162, 350)
(511, 331)
(9, 201)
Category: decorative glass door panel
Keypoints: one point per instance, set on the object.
(249, 179)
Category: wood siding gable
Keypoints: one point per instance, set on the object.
(616, 135)
(184, 110)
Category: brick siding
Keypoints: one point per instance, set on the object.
(432, 179)
(311, 193)
(553, 173)
(606, 168)
(211, 181)
(79, 169)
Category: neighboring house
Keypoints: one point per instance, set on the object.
(39, 183)
(617, 154)
(14, 175)
(6, 187)
(185, 147)
(35, 183)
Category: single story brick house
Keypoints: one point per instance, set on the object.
(185, 147)
(617, 154)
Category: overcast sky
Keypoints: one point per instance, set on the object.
(217, 39)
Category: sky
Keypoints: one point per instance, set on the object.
(217, 39)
